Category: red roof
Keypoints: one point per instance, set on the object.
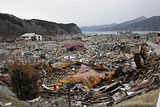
(76, 46)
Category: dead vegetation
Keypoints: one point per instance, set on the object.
(5, 98)
(146, 100)
(24, 80)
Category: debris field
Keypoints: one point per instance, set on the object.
(88, 69)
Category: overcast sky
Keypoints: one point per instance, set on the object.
(81, 12)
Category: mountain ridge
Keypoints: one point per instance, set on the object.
(139, 24)
(12, 26)
(96, 27)
(126, 23)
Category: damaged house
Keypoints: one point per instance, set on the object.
(30, 37)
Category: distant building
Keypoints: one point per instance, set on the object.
(31, 37)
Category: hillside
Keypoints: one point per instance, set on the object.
(150, 24)
(98, 27)
(138, 24)
(111, 26)
(124, 24)
(11, 27)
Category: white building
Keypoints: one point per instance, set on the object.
(31, 36)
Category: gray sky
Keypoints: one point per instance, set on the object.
(81, 12)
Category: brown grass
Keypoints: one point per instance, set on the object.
(5, 98)
(145, 100)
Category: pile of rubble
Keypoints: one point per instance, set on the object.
(108, 84)
(103, 69)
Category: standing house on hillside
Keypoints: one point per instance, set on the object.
(31, 37)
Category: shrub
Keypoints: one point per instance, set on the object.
(24, 80)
